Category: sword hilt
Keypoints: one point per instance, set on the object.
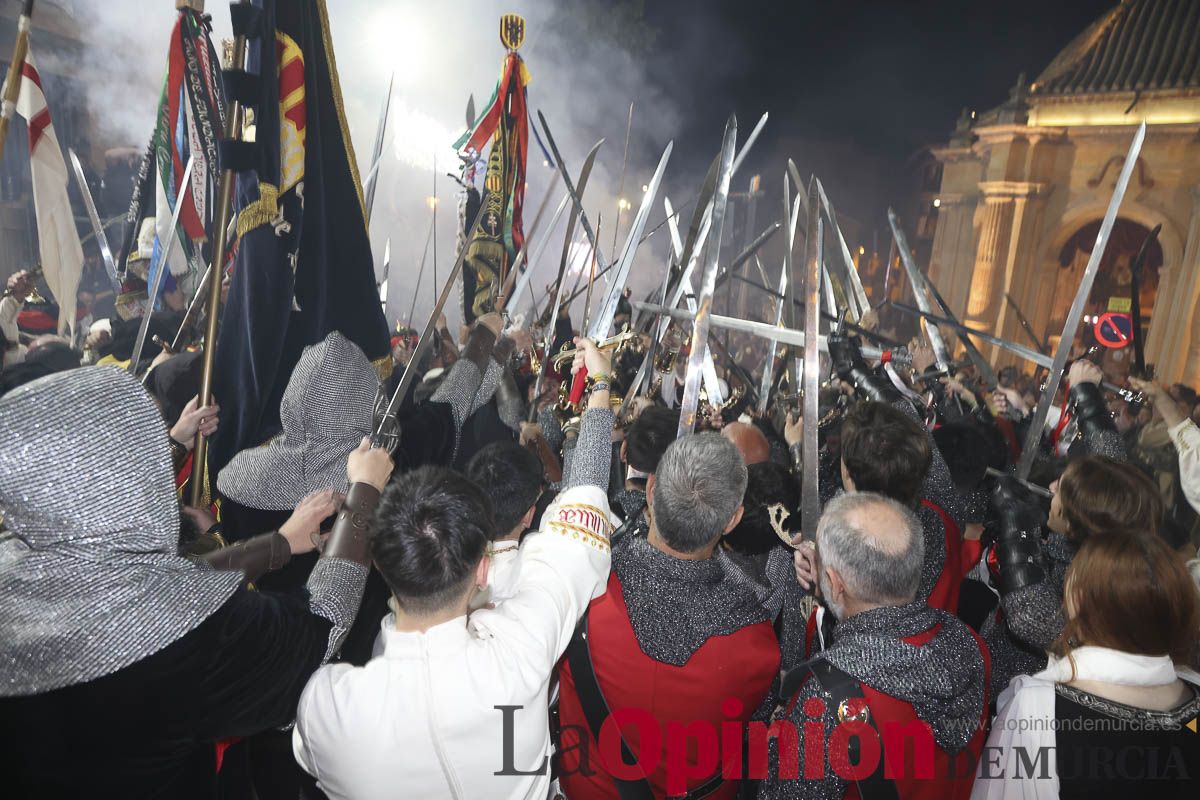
(578, 385)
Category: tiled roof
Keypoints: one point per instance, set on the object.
(1141, 45)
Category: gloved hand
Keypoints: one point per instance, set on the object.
(1090, 410)
(844, 354)
(1020, 560)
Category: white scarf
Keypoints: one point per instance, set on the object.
(1110, 666)
(1026, 715)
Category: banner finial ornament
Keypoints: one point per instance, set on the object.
(512, 31)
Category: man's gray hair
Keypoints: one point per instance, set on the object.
(699, 485)
(878, 566)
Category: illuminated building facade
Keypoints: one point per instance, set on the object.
(1024, 187)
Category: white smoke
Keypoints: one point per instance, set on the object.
(441, 53)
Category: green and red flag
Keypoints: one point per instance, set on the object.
(505, 124)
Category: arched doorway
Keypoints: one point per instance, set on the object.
(1111, 291)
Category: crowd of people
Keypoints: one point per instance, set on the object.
(590, 605)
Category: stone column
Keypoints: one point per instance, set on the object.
(1179, 347)
(989, 257)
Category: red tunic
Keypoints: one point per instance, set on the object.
(952, 776)
(944, 594)
(739, 666)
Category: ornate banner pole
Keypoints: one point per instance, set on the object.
(12, 83)
(233, 128)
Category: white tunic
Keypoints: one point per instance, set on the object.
(423, 720)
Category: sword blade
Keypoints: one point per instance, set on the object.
(506, 292)
(1033, 356)
(792, 214)
(548, 337)
(857, 295)
(420, 276)
(711, 384)
(814, 258)
(587, 303)
(763, 330)
(1025, 326)
(616, 288)
(532, 261)
(887, 273)
(917, 281)
(656, 336)
(163, 266)
(197, 299)
(576, 207)
(981, 364)
(1041, 359)
(110, 264)
(748, 253)
(575, 197)
(387, 267)
(426, 340)
(691, 384)
(1075, 316)
(377, 150)
(702, 216)
(850, 326)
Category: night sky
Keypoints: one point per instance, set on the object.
(854, 87)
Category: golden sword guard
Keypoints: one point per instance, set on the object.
(615, 343)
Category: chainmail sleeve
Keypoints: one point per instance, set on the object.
(592, 455)
(551, 428)
(1034, 613)
(458, 390)
(335, 589)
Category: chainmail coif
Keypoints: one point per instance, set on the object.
(90, 579)
(675, 606)
(326, 411)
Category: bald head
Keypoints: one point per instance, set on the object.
(875, 545)
(748, 439)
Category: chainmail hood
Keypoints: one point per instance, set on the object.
(326, 411)
(943, 678)
(90, 578)
(675, 606)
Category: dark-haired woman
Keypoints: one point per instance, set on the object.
(1110, 714)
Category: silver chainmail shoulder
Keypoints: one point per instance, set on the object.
(487, 386)
(335, 588)
(90, 579)
(325, 412)
(675, 606)
(458, 390)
